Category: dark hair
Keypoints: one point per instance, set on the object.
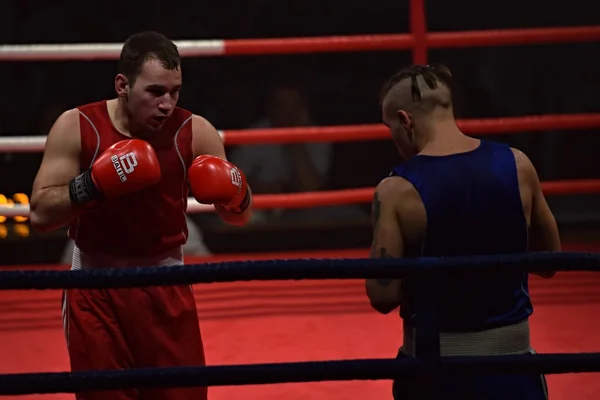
(145, 46)
(431, 73)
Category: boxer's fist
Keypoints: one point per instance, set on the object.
(125, 167)
(216, 181)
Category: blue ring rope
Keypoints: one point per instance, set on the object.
(314, 371)
(290, 269)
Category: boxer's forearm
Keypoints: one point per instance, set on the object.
(51, 208)
(385, 294)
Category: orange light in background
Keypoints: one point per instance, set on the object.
(19, 228)
(21, 198)
(3, 202)
(22, 230)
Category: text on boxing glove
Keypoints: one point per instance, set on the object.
(124, 165)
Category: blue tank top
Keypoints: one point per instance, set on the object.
(473, 207)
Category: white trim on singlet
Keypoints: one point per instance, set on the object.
(97, 137)
(183, 196)
(65, 317)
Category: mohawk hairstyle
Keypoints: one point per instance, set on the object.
(432, 74)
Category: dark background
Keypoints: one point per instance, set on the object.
(339, 89)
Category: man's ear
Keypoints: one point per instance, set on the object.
(121, 85)
(404, 119)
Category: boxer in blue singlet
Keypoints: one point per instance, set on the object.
(457, 196)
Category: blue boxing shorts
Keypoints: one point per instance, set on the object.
(480, 387)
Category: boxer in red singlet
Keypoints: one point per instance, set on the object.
(117, 173)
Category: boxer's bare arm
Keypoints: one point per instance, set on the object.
(385, 294)
(50, 205)
(543, 231)
(206, 140)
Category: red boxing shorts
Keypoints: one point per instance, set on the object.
(133, 328)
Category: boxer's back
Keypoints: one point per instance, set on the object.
(146, 223)
(473, 206)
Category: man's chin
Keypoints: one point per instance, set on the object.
(154, 127)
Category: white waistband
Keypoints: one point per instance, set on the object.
(82, 260)
(506, 340)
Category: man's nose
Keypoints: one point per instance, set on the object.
(166, 106)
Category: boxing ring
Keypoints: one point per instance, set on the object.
(323, 290)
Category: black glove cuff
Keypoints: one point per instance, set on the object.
(244, 204)
(82, 189)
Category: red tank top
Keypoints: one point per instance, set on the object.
(145, 223)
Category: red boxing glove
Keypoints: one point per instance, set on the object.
(125, 167)
(217, 181)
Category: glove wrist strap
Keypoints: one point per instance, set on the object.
(243, 205)
(82, 189)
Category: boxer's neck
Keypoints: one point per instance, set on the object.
(121, 118)
(440, 135)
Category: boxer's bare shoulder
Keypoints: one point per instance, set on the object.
(543, 230)
(528, 181)
(60, 164)
(525, 167)
(62, 151)
(205, 138)
(65, 130)
(398, 216)
(392, 197)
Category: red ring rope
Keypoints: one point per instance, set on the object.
(331, 253)
(346, 197)
(405, 41)
(365, 195)
(347, 133)
(418, 28)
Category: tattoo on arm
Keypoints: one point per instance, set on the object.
(383, 252)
